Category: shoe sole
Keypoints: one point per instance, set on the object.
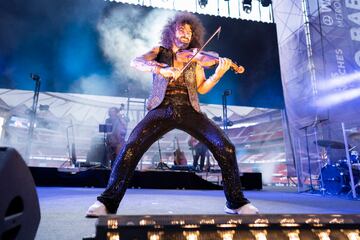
(231, 213)
(89, 215)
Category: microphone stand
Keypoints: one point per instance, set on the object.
(161, 165)
(36, 78)
(224, 105)
(71, 150)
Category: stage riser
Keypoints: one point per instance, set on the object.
(216, 234)
(166, 179)
(250, 227)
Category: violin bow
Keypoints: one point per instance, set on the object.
(200, 49)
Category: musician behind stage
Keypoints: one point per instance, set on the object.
(199, 151)
(116, 138)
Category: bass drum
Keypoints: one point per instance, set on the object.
(336, 179)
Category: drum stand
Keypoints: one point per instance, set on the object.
(352, 183)
(328, 161)
(349, 163)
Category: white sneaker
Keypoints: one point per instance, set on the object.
(246, 209)
(96, 210)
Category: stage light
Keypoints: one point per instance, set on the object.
(226, 235)
(112, 223)
(145, 222)
(207, 221)
(177, 222)
(293, 234)
(260, 222)
(155, 236)
(265, 3)
(203, 3)
(288, 222)
(217, 227)
(247, 6)
(112, 236)
(323, 234)
(332, 99)
(352, 235)
(192, 235)
(259, 234)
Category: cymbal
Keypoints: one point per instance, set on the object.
(330, 144)
(355, 135)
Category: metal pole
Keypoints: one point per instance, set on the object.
(299, 169)
(36, 78)
(228, 2)
(309, 47)
(224, 103)
(322, 189)
(287, 129)
(308, 158)
(348, 161)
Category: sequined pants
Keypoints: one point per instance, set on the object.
(174, 112)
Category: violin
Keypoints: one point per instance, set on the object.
(205, 59)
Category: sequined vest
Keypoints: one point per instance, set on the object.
(160, 83)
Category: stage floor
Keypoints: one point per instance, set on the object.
(63, 209)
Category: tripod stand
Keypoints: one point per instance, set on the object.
(35, 101)
(161, 165)
(71, 150)
(105, 128)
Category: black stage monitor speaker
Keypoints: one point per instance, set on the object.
(251, 180)
(19, 204)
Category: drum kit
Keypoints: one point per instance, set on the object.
(335, 177)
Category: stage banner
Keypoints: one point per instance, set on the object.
(335, 33)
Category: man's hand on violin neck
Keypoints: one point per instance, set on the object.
(170, 72)
(224, 65)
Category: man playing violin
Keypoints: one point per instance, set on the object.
(174, 103)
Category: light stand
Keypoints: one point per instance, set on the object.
(36, 78)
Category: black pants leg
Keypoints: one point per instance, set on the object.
(155, 124)
(223, 150)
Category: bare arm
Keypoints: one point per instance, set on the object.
(205, 85)
(147, 63)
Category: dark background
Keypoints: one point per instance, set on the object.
(59, 41)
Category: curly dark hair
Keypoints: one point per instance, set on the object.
(198, 30)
